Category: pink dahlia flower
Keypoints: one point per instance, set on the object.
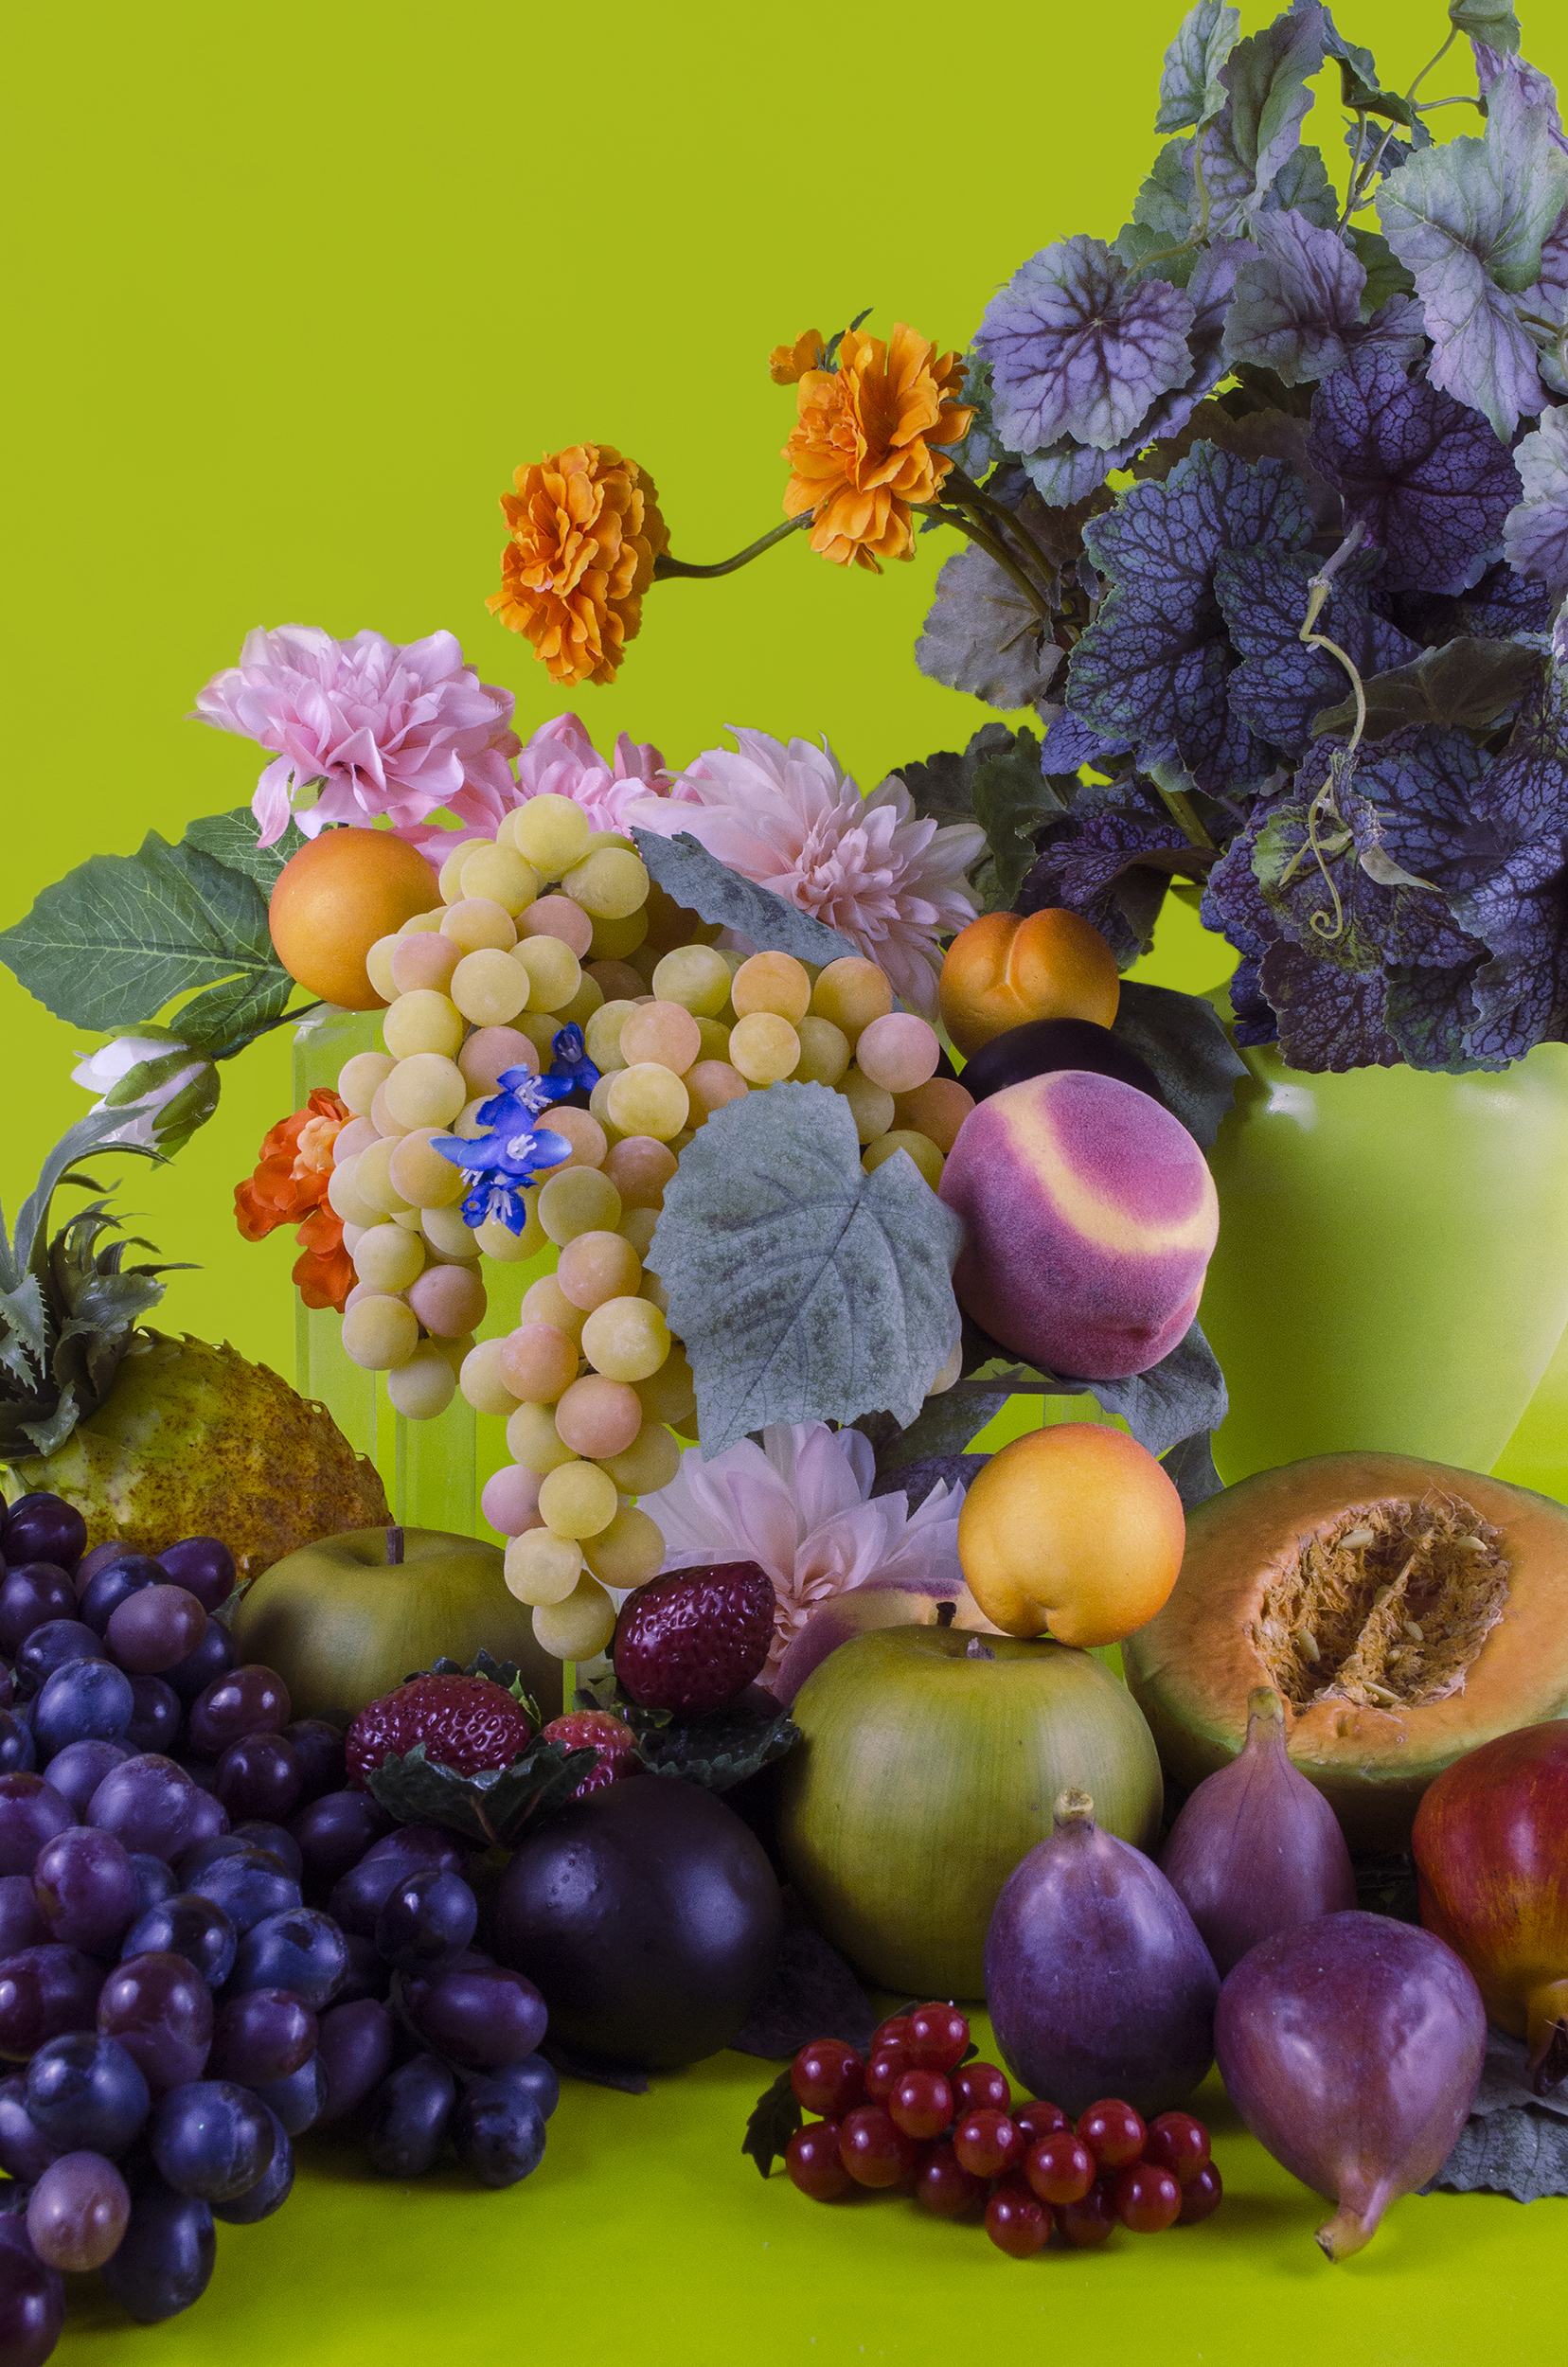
(385, 730)
(562, 762)
(793, 820)
(801, 1505)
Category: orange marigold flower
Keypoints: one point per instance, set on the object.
(787, 362)
(290, 1183)
(324, 1271)
(863, 449)
(585, 531)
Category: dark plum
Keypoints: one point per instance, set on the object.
(272, 2188)
(498, 2134)
(247, 1700)
(1041, 1045)
(301, 1950)
(213, 1658)
(156, 1628)
(263, 2036)
(409, 2118)
(160, 2009)
(42, 1527)
(211, 2139)
(50, 1646)
(82, 1700)
(31, 1812)
(77, 1771)
(354, 2049)
(250, 1885)
(26, 2153)
(86, 2094)
(85, 1888)
(426, 1919)
(33, 1592)
(111, 1585)
(152, 1805)
(297, 2100)
(45, 1992)
(21, 1925)
(156, 1716)
(18, 1751)
(260, 1776)
(204, 1566)
(318, 1747)
(334, 1832)
(189, 1926)
(165, 2258)
(482, 2015)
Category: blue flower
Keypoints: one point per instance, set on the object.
(571, 1069)
(499, 1165)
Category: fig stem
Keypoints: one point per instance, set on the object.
(1074, 1810)
(946, 1613)
(1346, 2232)
(394, 1547)
(1265, 1709)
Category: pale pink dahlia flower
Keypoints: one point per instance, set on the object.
(562, 762)
(793, 820)
(801, 1505)
(400, 732)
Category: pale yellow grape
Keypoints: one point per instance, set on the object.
(537, 1362)
(610, 883)
(899, 1051)
(457, 1352)
(851, 993)
(408, 1218)
(488, 988)
(467, 1123)
(872, 1106)
(609, 838)
(772, 982)
(596, 1417)
(424, 1387)
(669, 1394)
(421, 1175)
(626, 1339)
(763, 1047)
(451, 878)
(651, 1462)
(481, 1379)
(599, 1266)
(581, 1201)
(639, 1169)
(426, 1089)
(644, 1098)
(824, 1052)
(449, 1300)
(546, 1302)
(373, 1180)
(532, 1440)
(709, 1086)
(380, 1333)
(378, 967)
(507, 1248)
(579, 1009)
(578, 1500)
(551, 833)
(543, 1569)
(388, 1258)
(540, 1029)
(630, 1551)
(586, 1136)
(695, 976)
(921, 1148)
(350, 1139)
(599, 1107)
(714, 1039)
(501, 875)
(445, 1231)
(423, 924)
(604, 1032)
(492, 1050)
(654, 1292)
(553, 971)
(558, 917)
(382, 1118)
(423, 961)
(359, 1078)
(616, 981)
(352, 1233)
(637, 1226)
(617, 940)
(425, 1021)
(661, 1032)
(343, 1197)
(478, 922)
(509, 1500)
(579, 1627)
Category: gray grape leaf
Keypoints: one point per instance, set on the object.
(686, 870)
(1466, 684)
(1182, 1395)
(1535, 532)
(982, 635)
(1191, 93)
(1182, 1039)
(945, 1424)
(803, 1288)
(1522, 2153)
(1190, 1464)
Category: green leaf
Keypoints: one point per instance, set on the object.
(1491, 21)
(775, 2118)
(1191, 93)
(234, 838)
(230, 1016)
(1386, 276)
(1466, 684)
(982, 635)
(1254, 137)
(702, 884)
(1012, 798)
(487, 1807)
(945, 1424)
(1359, 86)
(1176, 1398)
(720, 1750)
(1183, 1041)
(74, 1145)
(804, 1289)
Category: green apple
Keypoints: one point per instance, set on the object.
(345, 1620)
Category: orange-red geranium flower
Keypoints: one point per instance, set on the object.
(863, 446)
(786, 364)
(585, 531)
(290, 1183)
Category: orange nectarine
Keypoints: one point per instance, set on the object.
(1002, 970)
(332, 900)
(1076, 1530)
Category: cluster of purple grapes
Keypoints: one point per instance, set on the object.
(182, 1995)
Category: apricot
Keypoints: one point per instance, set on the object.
(1090, 1216)
(1074, 1530)
(1002, 970)
(332, 900)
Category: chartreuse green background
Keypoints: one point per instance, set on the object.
(291, 292)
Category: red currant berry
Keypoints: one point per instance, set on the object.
(1179, 2143)
(977, 2085)
(1200, 2196)
(873, 2151)
(922, 2104)
(1112, 2132)
(827, 2078)
(1147, 2198)
(895, 2029)
(1061, 2169)
(944, 2185)
(885, 2066)
(1089, 2220)
(987, 2143)
(937, 2035)
(812, 2159)
(1017, 2222)
(1038, 2118)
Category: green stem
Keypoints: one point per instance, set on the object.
(284, 1019)
(983, 540)
(1410, 95)
(1005, 520)
(1355, 164)
(1195, 237)
(666, 567)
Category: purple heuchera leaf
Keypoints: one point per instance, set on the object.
(1498, 608)
(1520, 905)
(1265, 79)
(1432, 1014)
(1297, 307)
(1535, 533)
(1085, 865)
(1080, 348)
(1427, 476)
(1281, 683)
(1070, 742)
(1328, 1019)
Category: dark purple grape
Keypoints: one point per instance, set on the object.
(297, 2100)
(21, 1925)
(50, 1647)
(151, 1805)
(31, 1592)
(261, 2037)
(7, 1686)
(201, 1771)
(498, 2135)
(248, 1700)
(213, 2139)
(357, 1897)
(249, 1885)
(354, 2049)
(42, 1527)
(186, 1925)
(155, 1717)
(77, 1771)
(160, 2009)
(302, 1950)
(166, 2255)
(85, 2092)
(26, 2153)
(155, 1880)
(1041, 1045)
(271, 2188)
(85, 1889)
(318, 1747)
(84, 1701)
(112, 1585)
(334, 1832)
(255, 1833)
(213, 1658)
(18, 1751)
(31, 1812)
(532, 2077)
(481, 2016)
(156, 1628)
(201, 1854)
(98, 1557)
(368, 1974)
(426, 1920)
(203, 1564)
(45, 1992)
(260, 1776)
(77, 2212)
(409, 2117)
(32, 2310)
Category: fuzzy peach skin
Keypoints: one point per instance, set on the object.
(1075, 1531)
(1002, 970)
(1090, 1217)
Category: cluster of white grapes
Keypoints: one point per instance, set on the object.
(553, 924)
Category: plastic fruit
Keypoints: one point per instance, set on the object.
(696, 1637)
(1090, 1216)
(815, 2163)
(1044, 1045)
(930, 1765)
(875, 1603)
(330, 902)
(1076, 1529)
(1002, 970)
(344, 1620)
(1279, 1587)
(469, 1724)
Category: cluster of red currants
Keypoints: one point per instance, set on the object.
(912, 2114)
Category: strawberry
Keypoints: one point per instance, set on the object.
(612, 1737)
(467, 1723)
(695, 1638)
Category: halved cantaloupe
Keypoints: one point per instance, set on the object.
(1404, 1612)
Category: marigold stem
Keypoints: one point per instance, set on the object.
(666, 566)
(993, 547)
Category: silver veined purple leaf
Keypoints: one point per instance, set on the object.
(1297, 301)
(1265, 78)
(1281, 683)
(1080, 348)
(1191, 93)
(1535, 533)
(1328, 1019)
